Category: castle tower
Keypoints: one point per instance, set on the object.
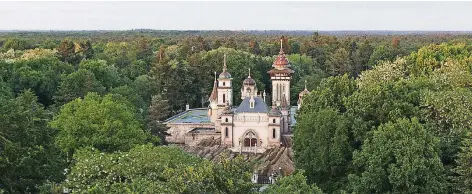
(225, 88)
(280, 75)
(249, 87)
(301, 95)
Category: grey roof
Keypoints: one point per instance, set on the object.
(198, 115)
(259, 107)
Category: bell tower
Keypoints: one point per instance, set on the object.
(280, 75)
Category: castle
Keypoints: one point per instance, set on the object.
(252, 126)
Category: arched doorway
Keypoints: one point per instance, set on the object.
(250, 139)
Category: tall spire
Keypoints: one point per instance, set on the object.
(224, 63)
(281, 46)
(214, 92)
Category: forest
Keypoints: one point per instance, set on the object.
(82, 111)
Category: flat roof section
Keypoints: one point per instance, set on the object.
(191, 116)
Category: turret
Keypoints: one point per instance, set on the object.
(249, 87)
(225, 87)
(301, 95)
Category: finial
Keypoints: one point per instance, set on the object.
(215, 76)
(224, 63)
(249, 73)
(305, 85)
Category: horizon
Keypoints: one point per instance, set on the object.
(236, 16)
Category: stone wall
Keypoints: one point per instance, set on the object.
(178, 131)
(193, 139)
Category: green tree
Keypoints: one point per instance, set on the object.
(141, 169)
(381, 53)
(28, 156)
(322, 148)
(16, 44)
(156, 169)
(464, 167)
(106, 75)
(401, 157)
(295, 184)
(41, 75)
(67, 52)
(77, 85)
(99, 122)
(254, 47)
(120, 54)
(339, 62)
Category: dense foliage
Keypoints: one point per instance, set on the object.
(84, 110)
(407, 121)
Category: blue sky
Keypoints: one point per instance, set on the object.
(264, 15)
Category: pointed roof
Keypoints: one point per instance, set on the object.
(304, 92)
(214, 92)
(281, 62)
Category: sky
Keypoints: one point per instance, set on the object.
(226, 15)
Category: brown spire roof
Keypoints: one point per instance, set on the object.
(281, 62)
(214, 92)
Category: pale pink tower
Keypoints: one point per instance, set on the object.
(281, 75)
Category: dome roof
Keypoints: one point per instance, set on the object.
(225, 75)
(304, 92)
(249, 81)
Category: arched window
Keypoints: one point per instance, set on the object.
(226, 120)
(224, 98)
(273, 120)
(250, 140)
(273, 133)
(226, 132)
(224, 83)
